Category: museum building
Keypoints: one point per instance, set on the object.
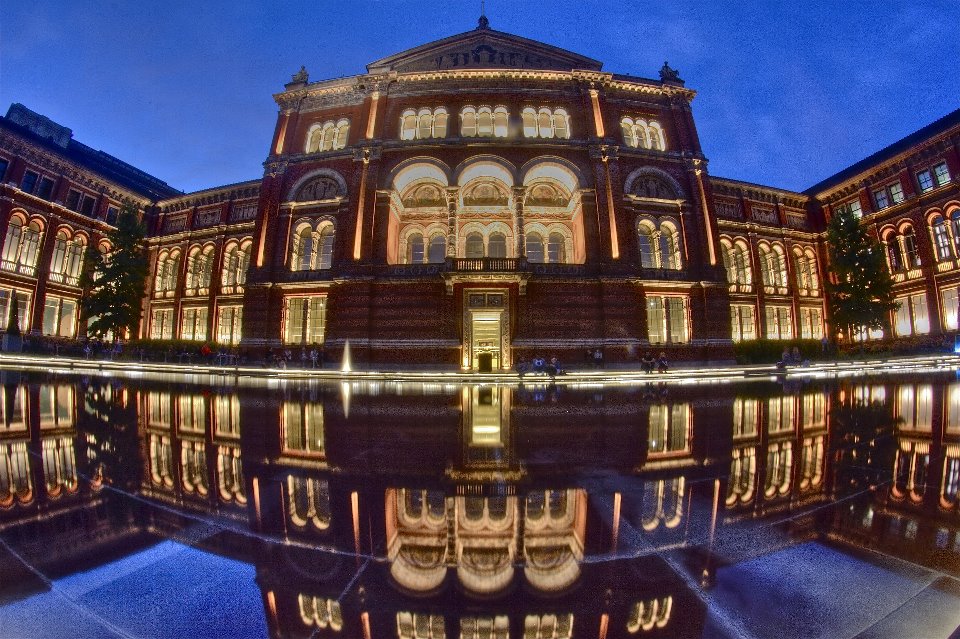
(475, 201)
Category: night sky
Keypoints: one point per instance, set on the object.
(788, 93)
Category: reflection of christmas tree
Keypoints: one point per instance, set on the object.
(863, 445)
(109, 425)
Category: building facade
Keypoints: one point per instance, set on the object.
(476, 201)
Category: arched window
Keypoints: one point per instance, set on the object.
(67, 259)
(626, 127)
(21, 247)
(892, 246)
(440, 123)
(468, 122)
(408, 125)
(814, 273)
(424, 124)
(484, 122)
(640, 133)
(236, 260)
(656, 137)
(529, 118)
(501, 120)
(911, 257)
(955, 227)
(438, 249)
(556, 249)
(314, 140)
(534, 248)
(768, 265)
(415, 249)
(474, 245)
(302, 249)
(669, 247)
(941, 238)
(328, 136)
(497, 245)
(199, 268)
(343, 129)
(647, 245)
(561, 124)
(325, 257)
(545, 124)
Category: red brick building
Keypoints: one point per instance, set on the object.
(481, 199)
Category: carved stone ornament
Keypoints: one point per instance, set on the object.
(485, 194)
(322, 188)
(300, 76)
(652, 187)
(669, 75)
(423, 196)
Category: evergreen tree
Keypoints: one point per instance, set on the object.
(114, 283)
(862, 295)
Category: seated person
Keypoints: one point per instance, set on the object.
(647, 363)
(522, 367)
(662, 364)
(538, 364)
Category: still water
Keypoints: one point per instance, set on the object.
(135, 508)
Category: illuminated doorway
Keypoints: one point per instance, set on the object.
(485, 338)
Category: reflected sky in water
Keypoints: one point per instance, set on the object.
(803, 509)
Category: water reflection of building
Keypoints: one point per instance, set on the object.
(484, 511)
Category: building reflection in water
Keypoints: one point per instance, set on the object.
(486, 511)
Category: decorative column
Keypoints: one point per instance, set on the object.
(520, 248)
(453, 194)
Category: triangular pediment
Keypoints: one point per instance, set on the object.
(483, 48)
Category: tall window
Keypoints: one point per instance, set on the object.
(736, 261)
(229, 323)
(941, 238)
(669, 431)
(659, 247)
(437, 252)
(667, 320)
(643, 134)
(742, 322)
(853, 206)
(168, 268)
(556, 249)
(312, 248)
(199, 270)
(779, 322)
(951, 308)
(811, 323)
(161, 323)
(236, 261)
(67, 259)
(423, 124)
(497, 245)
(474, 245)
(194, 324)
(808, 281)
(304, 319)
(534, 245)
(773, 267)
(21, 247)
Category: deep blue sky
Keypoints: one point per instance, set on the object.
(788, 94)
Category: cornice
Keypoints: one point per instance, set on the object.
(217, 195)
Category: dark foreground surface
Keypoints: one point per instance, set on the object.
(804, 508)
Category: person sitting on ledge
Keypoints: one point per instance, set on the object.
(538, 364)
(647, 363)
(554, 368)
(662, 364)
(522, 367)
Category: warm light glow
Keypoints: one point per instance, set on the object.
(372, 118)
(355, 506)
(283, 134)
(358, 233)
(597, 118)
(706, 219)
(614, 241)
(616, 522)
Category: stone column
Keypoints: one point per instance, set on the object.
(453, 194)
(520, 248)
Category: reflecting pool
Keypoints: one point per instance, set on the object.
(151, 508)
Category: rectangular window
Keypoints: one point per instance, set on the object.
(45, 188)
(779, 322)
(667, 320)
(23, 309)
(896, 193)
(194, 324)
(811, 323)
(73, 200)
(853, 207)
(951, 301)
(881, 199)
(304, 320)
(59, 317)
(80, 202)
(112, 213)
(229, 321)
(742, 322)
(925, 180)
(28, 182)
(911, 317)
(942, 173)
(3, 168)
(161, 323)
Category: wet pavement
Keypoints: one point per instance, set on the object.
(801, 507)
